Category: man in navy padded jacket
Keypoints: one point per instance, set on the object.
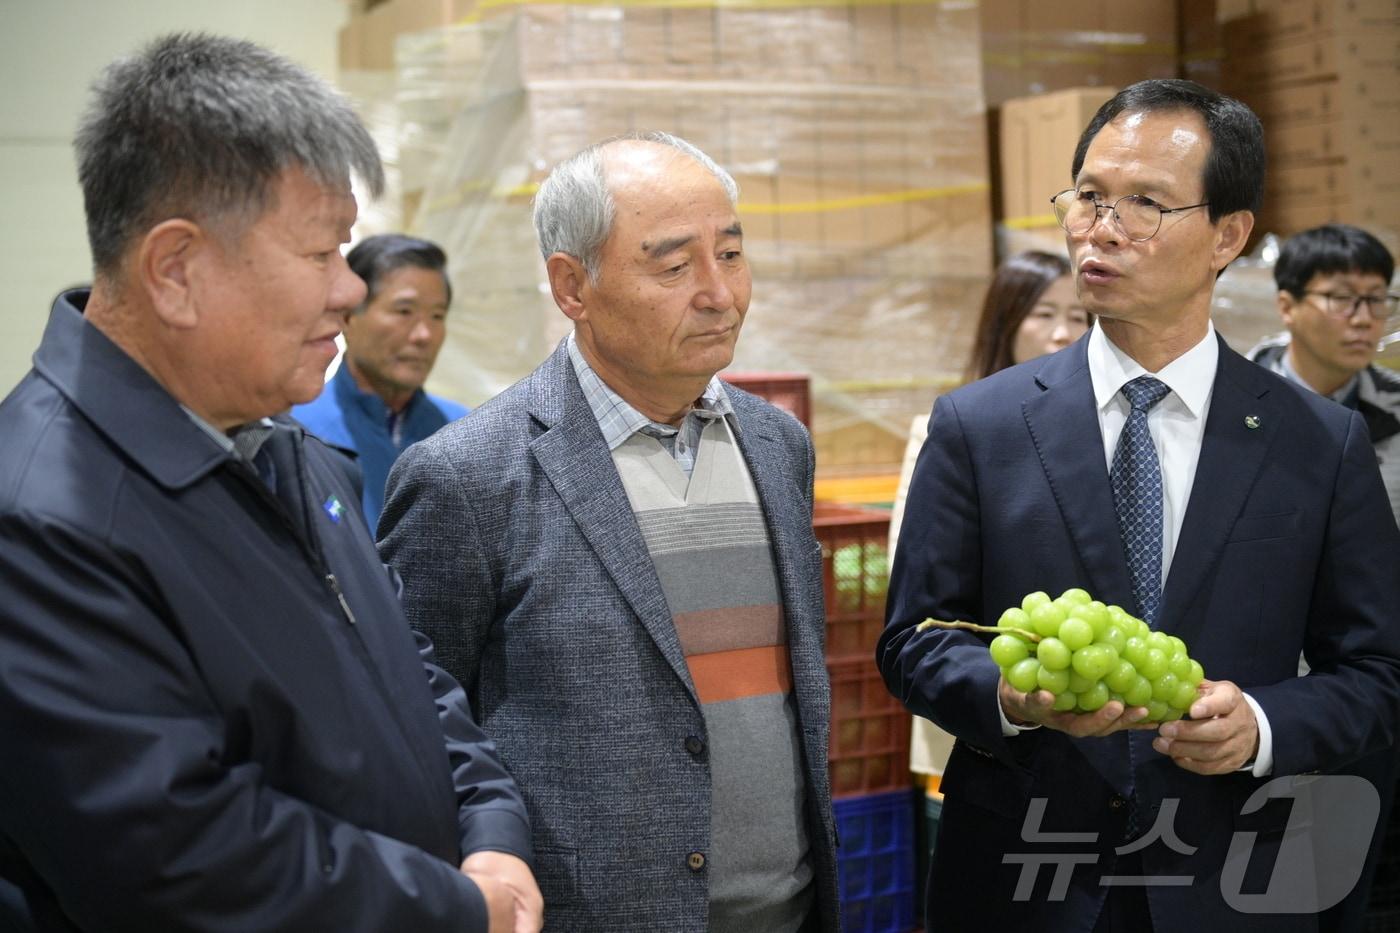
(213, 713)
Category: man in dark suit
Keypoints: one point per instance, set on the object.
(615, 556)
(1151, 465)
(213, 715)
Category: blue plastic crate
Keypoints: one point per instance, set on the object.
(876, 862)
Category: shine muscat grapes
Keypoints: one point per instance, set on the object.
(1086, 653)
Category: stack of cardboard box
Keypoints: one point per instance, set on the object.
(856, 133)
(1084, 48)
(1324, 77)
(1034, 46)
(1202, 44)
(1037, 140)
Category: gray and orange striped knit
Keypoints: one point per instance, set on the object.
(709, 544)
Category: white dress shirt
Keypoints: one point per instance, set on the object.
(1177, 424)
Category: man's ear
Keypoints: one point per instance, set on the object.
(568, 282)
(168, 263)
(1287, 304)
(1231, 233)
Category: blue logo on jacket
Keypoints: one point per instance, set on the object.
(333, 508)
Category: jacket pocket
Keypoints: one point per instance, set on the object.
(1265, 527)
(556, 871)
(977, 777)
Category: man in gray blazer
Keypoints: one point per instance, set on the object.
(615, 556)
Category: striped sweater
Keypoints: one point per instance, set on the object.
(708, 541)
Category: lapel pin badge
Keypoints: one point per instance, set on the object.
(333, 508)
(1252, 421)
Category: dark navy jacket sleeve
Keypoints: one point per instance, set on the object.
(491, 814)
(118, 783)
(213, 713)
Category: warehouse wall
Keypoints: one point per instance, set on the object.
(50, 51)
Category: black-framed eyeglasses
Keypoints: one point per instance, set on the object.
(1137, 216)
(1344, 305)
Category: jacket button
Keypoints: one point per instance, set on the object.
(1117, 802)
(696, 861)
(694, 745)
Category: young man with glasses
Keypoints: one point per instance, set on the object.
(1334, 297)
(1153, 466)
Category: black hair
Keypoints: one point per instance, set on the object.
(200, 127)
(1234, 172)
(1329, 249)
(374, 257)
(1016, 287)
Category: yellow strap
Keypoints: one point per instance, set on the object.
(486, 6)
(465, 189)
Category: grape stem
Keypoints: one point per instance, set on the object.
(1027, 634)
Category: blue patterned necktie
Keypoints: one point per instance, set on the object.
(1136, 478)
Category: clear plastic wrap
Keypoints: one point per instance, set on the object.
(856, 133)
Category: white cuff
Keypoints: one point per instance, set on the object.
(1009, 728)
(1263, 763)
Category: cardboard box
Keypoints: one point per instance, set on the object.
(350, 45)
(1234, 9)
(1330, 141)
(1038, 138)
(858, 141)
(366, 42)
(1200, 29)
(1373, 57)
(1033, 46)
(1324, 101)
(1286, 219)
(1296, 20)
(1362, 179)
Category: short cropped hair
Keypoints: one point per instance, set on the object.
(201, 126)
(574, 209)
(375, 257)
(1330, 249)
(1234, 172)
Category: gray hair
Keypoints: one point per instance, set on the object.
(201, 126)
(574, 209)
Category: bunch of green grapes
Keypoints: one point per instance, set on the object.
(1086, 654)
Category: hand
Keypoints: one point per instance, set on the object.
(500, 902)
(511, 872)
(1036, 707)
(1221, 735)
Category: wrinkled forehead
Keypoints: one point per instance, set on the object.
(654, 193)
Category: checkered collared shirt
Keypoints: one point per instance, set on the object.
(618, 420)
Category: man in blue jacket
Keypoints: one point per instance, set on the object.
(375, 404)
(213, 714)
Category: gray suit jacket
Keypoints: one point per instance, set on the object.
(523, 562)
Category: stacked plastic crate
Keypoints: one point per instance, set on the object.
(869, 756)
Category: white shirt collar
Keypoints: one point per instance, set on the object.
(1190, 376)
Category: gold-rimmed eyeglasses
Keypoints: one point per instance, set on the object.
(1137, 216)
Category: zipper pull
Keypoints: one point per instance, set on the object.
(340, 595)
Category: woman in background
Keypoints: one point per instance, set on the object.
(1031, 309)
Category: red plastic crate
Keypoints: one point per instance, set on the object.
(792, 392)
(869, 750)
(855, 576)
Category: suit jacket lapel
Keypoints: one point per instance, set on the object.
(1231, 455)
(572, 454)
(1064, 427)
